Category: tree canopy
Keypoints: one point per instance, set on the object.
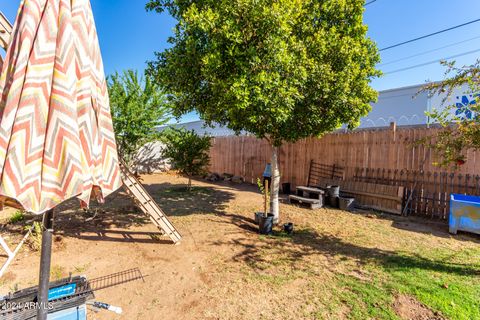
(280, 69)
(138, 107)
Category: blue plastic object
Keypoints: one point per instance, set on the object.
(267, 173)
(76, 313)
(464, 213)
(62, 292)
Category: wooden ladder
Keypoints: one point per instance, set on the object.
(5, 31)
(146, 203)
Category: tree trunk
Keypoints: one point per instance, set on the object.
(189, 186)
(275, 187)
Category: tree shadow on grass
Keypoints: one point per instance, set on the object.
(304, 243)
(244, 187)
(102, 222)
(242, 222)
(176, 200)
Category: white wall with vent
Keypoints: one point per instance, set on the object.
(405, 106)
(408, 106)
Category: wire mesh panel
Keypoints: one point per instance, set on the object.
(21, 305)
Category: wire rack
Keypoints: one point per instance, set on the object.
(20, 305)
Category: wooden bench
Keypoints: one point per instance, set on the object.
(311, 190)
(381, 197)
(313, 203)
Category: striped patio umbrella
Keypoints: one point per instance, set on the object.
(56, 133)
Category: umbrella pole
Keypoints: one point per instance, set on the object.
(45, 261)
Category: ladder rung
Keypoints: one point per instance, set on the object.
(141, 197)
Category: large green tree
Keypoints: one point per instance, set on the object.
(280, 69)
(138, 107)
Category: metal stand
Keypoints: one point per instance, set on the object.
(45, 260)
(11, 254)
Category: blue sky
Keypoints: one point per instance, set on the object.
(129, 35)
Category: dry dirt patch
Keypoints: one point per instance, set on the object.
(408, 308)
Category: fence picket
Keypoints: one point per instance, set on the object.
(387, 157)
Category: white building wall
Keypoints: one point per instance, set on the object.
(405, 106)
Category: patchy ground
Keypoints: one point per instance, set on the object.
(337, 265)
(409, 308)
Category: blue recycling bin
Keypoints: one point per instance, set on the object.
(464, 213)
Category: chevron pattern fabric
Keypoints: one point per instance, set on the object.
(56, 133)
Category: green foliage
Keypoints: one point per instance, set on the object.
(138, 106)
(261, 186)
(17, 216)
(282, 70)
(35, 239)
(266, 195)
(188, 151)
(459, 133)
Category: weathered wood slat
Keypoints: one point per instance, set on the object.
(386, 156)
(311, 190)
(145, 202)
(379, 196)
(313, 203)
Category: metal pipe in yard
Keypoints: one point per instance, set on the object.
(45, 262)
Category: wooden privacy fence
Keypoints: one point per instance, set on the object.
(425, 193)
(392, 149)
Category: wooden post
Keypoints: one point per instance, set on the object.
(309, 173)
(265, 197)
(393, 128)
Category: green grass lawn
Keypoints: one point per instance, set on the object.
(369, 267)
(443, 281)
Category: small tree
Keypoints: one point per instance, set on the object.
(188, 152)
(461, 121)
(138, 107)
(280, 69)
